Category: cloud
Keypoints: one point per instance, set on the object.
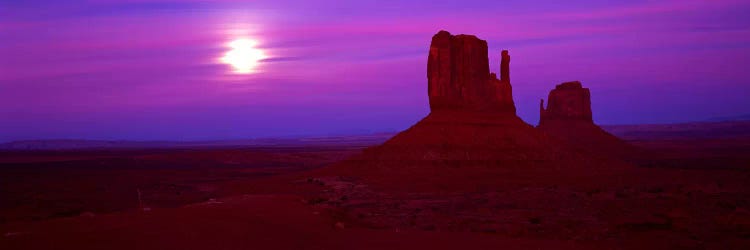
(77, 59)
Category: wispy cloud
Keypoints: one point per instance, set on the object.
(81, 58)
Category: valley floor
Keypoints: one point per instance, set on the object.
(690, 194)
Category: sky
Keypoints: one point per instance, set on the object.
(152, 70)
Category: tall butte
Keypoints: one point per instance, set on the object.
(472, 137)
(568, 117)
(458, 76)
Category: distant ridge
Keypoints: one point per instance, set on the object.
(691, 130)
(74, 144)
(745, 117)
(714, 128)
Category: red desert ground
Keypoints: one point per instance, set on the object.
(469, 175)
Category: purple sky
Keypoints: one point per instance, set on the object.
(149, 70)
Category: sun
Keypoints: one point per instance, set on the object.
(244, 57)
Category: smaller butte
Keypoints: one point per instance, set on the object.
(568, 117)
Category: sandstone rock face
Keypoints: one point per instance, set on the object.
(459, 77)
(505, 66)
(472, 135)
(568, 101)
(568, 118)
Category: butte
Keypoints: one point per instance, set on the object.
(568, 117)
(472, 137)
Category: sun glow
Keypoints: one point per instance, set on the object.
(243, 56)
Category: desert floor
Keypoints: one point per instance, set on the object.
(690, 192)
